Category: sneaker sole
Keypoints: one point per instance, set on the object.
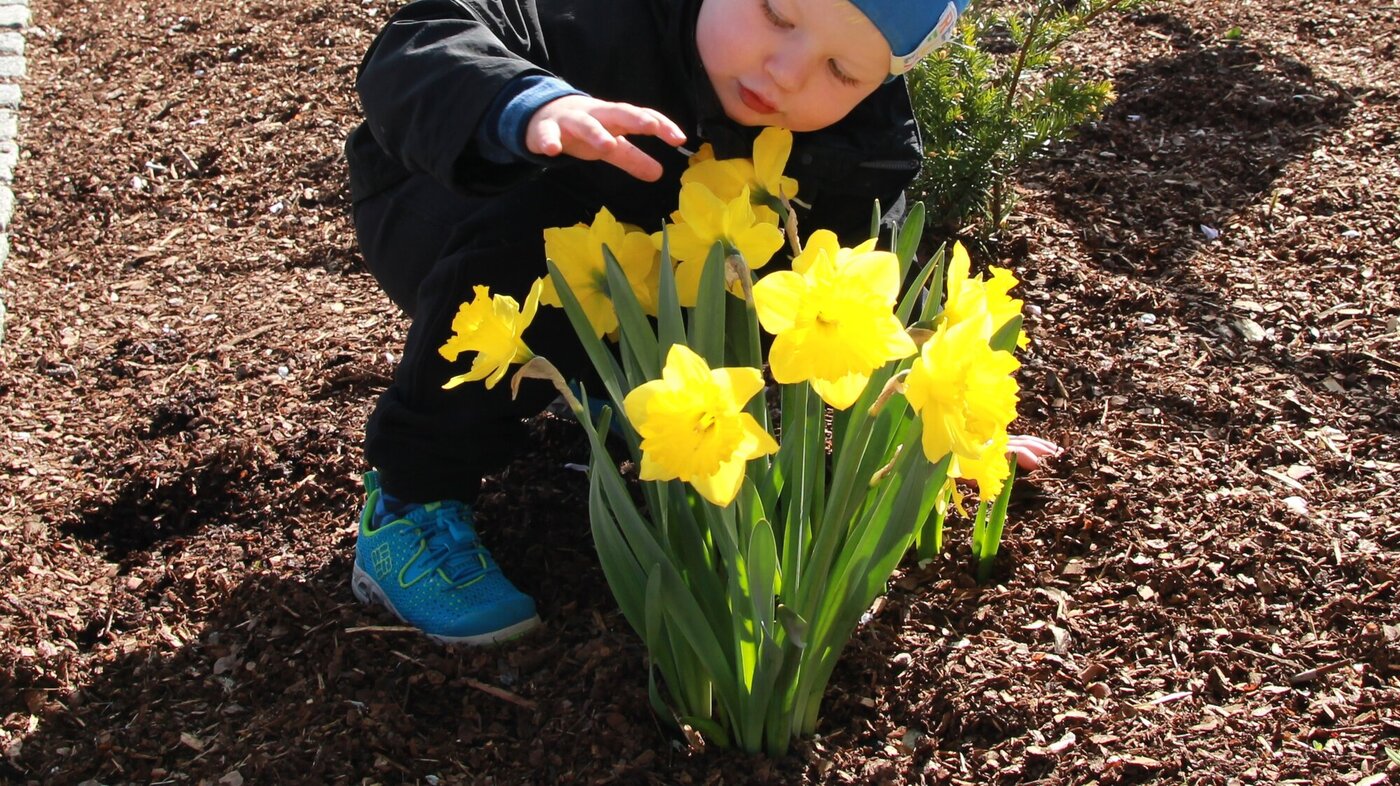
(366, 590)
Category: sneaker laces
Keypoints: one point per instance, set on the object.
(452, 544)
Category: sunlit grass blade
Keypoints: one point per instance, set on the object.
(1005, 337)
(929, 543)
(624, 574)
(932, 271)
(933, 303)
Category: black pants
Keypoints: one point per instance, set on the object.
(427, 246)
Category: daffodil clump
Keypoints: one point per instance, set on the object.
(753, 557)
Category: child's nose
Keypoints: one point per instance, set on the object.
(790, 67)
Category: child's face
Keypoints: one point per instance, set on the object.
(800, 64)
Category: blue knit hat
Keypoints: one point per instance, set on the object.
(913, 28)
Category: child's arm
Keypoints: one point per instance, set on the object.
(434, 84)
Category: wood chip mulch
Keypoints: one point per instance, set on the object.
(1202, 590)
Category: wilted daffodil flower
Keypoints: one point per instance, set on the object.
(763, 174)
(966, 395)
(969, 297)
(706, 219)
(833, 317)
(693, 424)
(578, 252)
(491, 326)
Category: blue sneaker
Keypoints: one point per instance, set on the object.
(426, 565)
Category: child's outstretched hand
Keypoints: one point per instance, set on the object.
(593, 130)
(1030, 451)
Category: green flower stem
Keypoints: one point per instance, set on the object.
(990, 541)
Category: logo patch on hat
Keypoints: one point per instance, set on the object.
(941, 34)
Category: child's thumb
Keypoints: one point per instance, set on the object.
(544, 138)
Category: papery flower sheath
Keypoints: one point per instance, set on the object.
(833, 317)
(705, 219)
(966, 394)
(578, 253)
(491, 326)
(693, 425)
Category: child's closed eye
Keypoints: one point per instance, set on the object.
(773, 16)
(841, 75)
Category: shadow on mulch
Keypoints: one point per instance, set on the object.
(1198, 137)
(171, 484)
(1193, 141)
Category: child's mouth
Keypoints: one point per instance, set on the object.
(755, 102)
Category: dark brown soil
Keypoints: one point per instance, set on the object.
(1202, 590)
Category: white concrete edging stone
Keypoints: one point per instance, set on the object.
(14, 20)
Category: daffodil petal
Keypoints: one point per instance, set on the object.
(841, 393)
(877, 272)
(722, 487)
(758, 244)
(777, 297)
(770, 156)
(741, 383)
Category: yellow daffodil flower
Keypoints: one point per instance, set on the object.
(969, 297)
(693, 425)
(763, 174)
(706, 219)
(833, 317)
(491, 326)
(989, 471)
(578, 253)
(966, 395)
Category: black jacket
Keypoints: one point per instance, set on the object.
(433, 72)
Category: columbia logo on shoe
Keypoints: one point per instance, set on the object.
(383, 560)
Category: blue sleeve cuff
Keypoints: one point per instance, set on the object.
(502, 140)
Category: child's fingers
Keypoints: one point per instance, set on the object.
(596, 134)
(1031, 451)
(630, 159)
(589, 139)
(1034, 443)
(1025, 459)
(623, 119)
